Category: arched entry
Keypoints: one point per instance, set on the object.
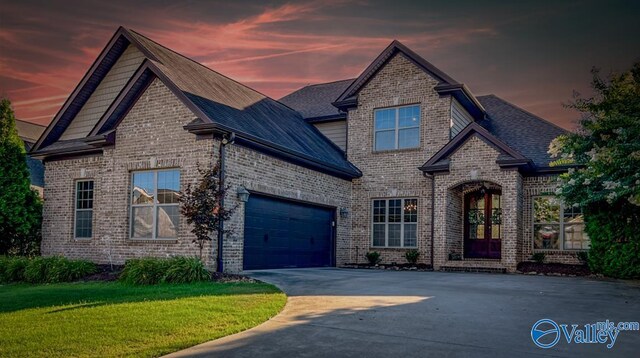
(483, 223)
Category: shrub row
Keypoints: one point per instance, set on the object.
(150, 271)
(51, 269)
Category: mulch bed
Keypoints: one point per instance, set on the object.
(553, 269)
(229, 277)
(394, 267)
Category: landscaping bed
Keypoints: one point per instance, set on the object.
(392, 266)
(553, 269)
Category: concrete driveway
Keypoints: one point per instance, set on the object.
(367, 313)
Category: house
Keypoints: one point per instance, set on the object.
(402, 157)
(29, 133)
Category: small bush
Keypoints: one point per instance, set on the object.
(539, 257)
(412, 256)
(186, 270)
(151, 271)
(373, 257)
(145, 271)
(43, 269)
(56, 269)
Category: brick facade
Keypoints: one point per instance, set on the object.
(151, 136)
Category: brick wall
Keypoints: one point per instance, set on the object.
(394, 174)
(151, 137)
(474, 162)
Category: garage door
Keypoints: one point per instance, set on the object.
(280, 233)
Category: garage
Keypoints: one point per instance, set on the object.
(280, 233)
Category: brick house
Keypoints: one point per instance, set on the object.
(401, 158)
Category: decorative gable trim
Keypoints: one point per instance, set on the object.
(510, 158)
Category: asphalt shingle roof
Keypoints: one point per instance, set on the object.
(314, 102)
(525, 132)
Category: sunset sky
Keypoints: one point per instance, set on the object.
(532, 53)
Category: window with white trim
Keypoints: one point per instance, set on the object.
(395, 222)
(397, 128)
(557, 227)
(83, 212)
(154, 204)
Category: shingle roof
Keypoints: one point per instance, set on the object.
(525, 132)
(245, 110)
(29, 131)
(314, 102)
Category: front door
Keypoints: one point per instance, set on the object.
(482, 219)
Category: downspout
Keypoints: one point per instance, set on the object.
(223, 143)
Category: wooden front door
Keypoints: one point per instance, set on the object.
(482, 224)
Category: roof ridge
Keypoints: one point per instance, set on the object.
(330, 82)
(535, 116)
(28, 122)
(207, 68)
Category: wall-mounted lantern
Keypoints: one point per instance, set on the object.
(243, 194)
(344, 213)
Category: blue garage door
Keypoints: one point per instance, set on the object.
(280, 234)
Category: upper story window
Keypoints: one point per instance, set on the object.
(557, 227)
(154, 204)
(397, 128)
(83, 223)
(395, 223)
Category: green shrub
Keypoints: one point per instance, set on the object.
(373, 257)
(12, 269)
(56, 269)
(412, 256)
(583, 256)
(186, 270)
(539, 257)
(145, 271)
(151, 271)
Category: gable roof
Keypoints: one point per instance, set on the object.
(508, 157)
(447, 85)
(29, 132)
(218, 102)
(521, 130)
(313, 102)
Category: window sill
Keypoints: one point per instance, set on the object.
(82, 239)
(392, 151)
(559, 251)
(153, 241)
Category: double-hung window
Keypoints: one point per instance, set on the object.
(395, 222)
(154, 204)
(397, 128)
(557, 227)
(83, 216)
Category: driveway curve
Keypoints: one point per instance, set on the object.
(373, 313)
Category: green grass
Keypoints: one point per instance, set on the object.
(114, 320)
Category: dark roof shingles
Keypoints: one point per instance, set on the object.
(528, 134)
(314, 101)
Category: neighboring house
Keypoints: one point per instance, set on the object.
(402, 157)
(29, 133)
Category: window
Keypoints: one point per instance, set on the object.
(83, 223)
(397, 128)
(557, 227)
(395, 222)
(154, 204)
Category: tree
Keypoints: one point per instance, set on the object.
(200, 205)
(20, 206)
(606, 179)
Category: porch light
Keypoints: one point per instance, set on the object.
(344, 212)
(243, 194)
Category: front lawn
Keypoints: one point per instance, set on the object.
(112, 319)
